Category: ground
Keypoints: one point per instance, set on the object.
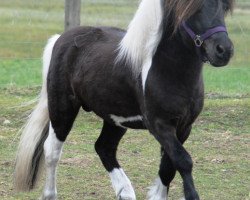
(219, 143)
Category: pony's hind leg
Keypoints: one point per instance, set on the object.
(62, 118)
(52, 152)
(106, 147)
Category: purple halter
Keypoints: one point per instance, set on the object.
(199, 39)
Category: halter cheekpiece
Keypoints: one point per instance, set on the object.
(199, 39)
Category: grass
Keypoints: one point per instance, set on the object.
(219, 143)
(225, 81)
(20, 73)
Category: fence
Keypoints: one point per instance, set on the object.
(26, 25)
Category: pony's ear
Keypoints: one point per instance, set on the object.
(182, 9)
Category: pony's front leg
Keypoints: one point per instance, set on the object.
(181, 160)
(159, 190)
(52, 152)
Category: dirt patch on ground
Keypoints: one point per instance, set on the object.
(77, 161)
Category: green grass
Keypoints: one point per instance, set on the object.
(20, 73)
(227, 81)
(26, 25)
(219, 146)
(219, 143)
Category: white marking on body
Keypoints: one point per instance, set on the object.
(52, 152)
(119, 119)
(145, 70)
(122, 185)
(142, 38)
(158, 191)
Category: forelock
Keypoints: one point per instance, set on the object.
(182, 9)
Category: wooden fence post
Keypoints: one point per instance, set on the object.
(72, 14)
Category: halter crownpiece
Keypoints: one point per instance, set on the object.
(199, 39)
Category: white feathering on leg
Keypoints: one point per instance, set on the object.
(52, 152)
(157, 191)
(122, 185)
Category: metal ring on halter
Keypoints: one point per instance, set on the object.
(198, 41)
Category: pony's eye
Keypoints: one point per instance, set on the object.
(198, 11)
(226, 8)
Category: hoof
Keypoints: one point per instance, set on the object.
(48, 196)
(126, 194)
(157, 191)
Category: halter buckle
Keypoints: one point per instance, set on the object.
(198, 41)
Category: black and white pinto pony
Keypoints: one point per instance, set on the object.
(149, 77)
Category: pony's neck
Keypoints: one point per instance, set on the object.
(177, 61)
(179, 50)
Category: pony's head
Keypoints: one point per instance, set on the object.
(202, 23)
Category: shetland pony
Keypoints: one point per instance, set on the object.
(149, 77)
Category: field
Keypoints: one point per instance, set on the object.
(219, 143)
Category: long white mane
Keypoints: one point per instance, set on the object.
(142, 38)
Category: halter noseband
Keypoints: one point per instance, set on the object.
(199, 39)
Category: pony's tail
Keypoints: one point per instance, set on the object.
(30, 158)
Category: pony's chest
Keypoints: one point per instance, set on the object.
(173, 104)
(194, 108)
(171, 96)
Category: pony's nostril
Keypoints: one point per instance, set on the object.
(220, 49)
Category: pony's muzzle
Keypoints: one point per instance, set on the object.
(219, 49)
(224, 51)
